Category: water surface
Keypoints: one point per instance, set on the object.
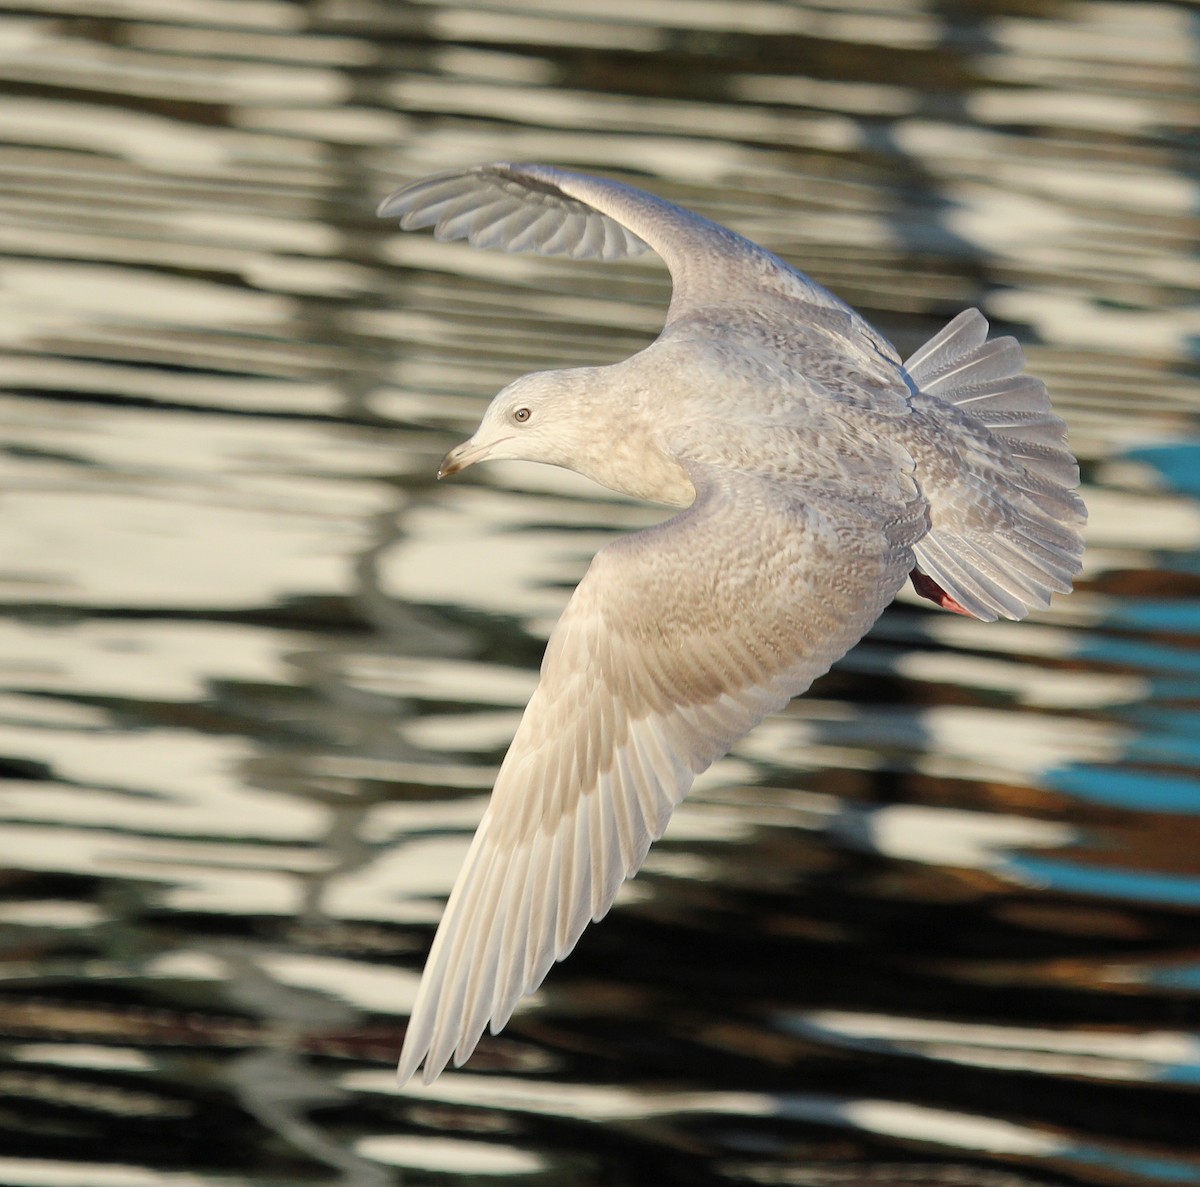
(935, 923)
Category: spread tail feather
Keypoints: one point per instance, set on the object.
(1006, 528)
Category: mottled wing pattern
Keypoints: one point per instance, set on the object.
(678, 640)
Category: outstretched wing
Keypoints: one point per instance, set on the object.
(678, 640)
(556, 212)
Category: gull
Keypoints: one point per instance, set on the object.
(815, 472)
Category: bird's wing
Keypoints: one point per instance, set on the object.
(555, 212)
(678, 640)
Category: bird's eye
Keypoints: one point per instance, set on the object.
(521, 415)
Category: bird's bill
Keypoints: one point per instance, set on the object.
(462, 456)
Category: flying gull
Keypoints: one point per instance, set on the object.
(816, 472)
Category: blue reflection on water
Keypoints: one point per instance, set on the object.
(1136, 653)
(1187, 977)
(1177, 461)
(1163, 1170)
(1125, 788)
(1109, 882)
(1166, 746)
(1178, 615)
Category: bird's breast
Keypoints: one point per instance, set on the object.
(643, 469)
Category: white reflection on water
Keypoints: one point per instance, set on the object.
(247, 394)
(50, 297)
(105, 508)
(171, 782)
(1075, 321)
(916, 1124)
(952, 740)
(450, 1156)
(116, 548)
(91, 1055)
(494, 550)
(56, 59)
(440, 679)
(153, 141)
(378, 988)
(584, 1102)
(164, 661)
(406, 884)
(1142, 1056)
(1044, 688)
(950, 838)
(1144, 39)
(183, 877)
(52, 913)
(50, 1172)
(643, 24)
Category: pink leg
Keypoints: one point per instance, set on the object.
(928, 588)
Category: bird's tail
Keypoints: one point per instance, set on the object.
(1006, 521)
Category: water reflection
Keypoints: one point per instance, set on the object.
(935, 923)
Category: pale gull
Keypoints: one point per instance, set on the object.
(816, 472)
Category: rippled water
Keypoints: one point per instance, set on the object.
(936, 923)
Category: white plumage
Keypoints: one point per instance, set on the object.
(816, 471)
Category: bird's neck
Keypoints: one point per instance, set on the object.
(633, 460)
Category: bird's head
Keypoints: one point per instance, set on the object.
(535, 419)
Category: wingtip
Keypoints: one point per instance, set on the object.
(408, 1068)
(387, 208)
(405, 1070)
(412, 1054)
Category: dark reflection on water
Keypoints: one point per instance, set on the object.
(935, 924)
